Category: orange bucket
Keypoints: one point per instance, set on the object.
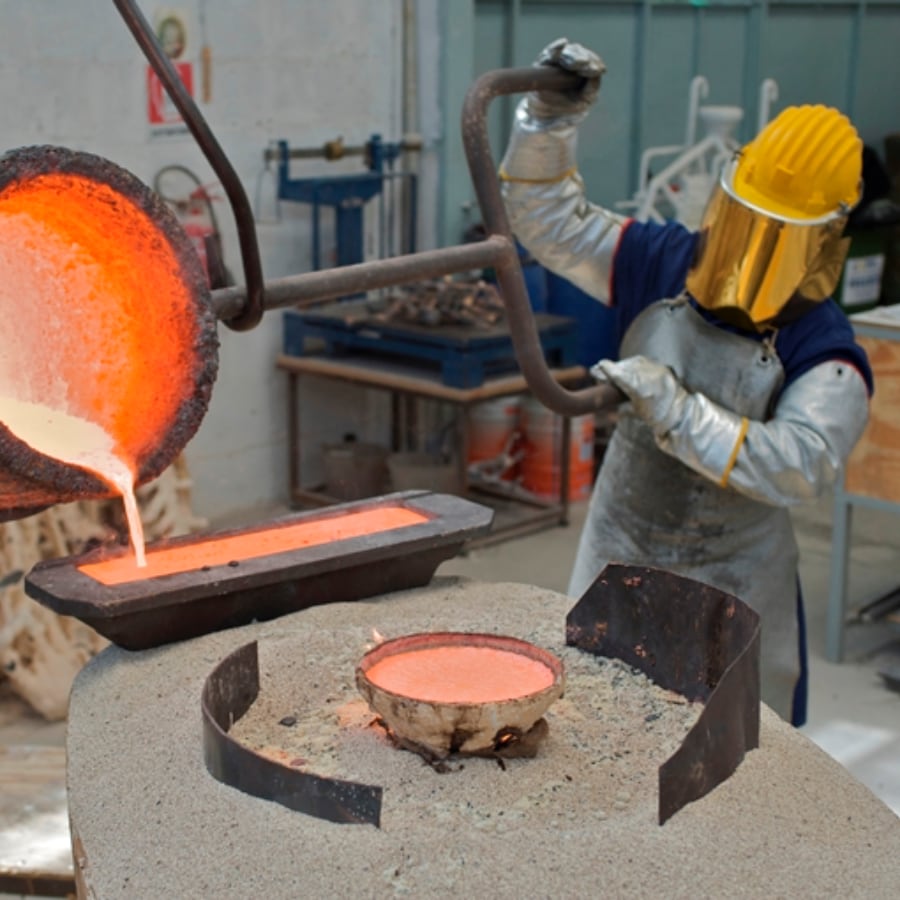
(491, 425)
(542, 463)
(493, 431)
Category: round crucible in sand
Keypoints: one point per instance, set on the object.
(455, 692)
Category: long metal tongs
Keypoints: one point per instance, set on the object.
(242, 307)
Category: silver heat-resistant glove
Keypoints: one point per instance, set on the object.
(791, 458)
(653, 390)
(573, 104)
(543, 192)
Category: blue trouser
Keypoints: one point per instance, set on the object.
(801, 689)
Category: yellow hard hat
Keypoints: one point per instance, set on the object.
(805, 164)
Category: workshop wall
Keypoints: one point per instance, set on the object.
(72, 74)
(842, 54)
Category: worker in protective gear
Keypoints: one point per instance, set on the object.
(746, 389)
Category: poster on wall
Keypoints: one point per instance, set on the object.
(172, 34)
(160, 108)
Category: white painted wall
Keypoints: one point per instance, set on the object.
(71, 74)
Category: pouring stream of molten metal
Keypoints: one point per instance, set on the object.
(79, 443)
(96, 330)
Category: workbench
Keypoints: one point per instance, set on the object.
(517, 512)
(871, 478)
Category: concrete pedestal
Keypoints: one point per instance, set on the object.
(580, 820)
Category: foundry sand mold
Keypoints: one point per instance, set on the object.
(633, 726)
(578, 820)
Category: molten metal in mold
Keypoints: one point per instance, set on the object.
(372, 546)
(455, 692)
(252, 544)
(461, 674)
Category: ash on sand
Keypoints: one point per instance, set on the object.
(578, 820)
(608, 735)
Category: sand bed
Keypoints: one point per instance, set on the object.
(607, 737)
(579, 820)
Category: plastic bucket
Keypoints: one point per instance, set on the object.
(542, 464)
(355, 470)
(491, 427)
(423, 471)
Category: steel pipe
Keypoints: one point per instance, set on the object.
(253, 307)
(526, 341)
(311, 288)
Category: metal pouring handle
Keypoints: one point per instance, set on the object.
(513, 290)
(241, 307)
(253, 308)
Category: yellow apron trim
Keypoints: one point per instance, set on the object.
(745, 424)
(504, 176)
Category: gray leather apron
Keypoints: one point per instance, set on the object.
(650, 509)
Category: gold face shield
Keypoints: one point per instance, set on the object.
(755, 269)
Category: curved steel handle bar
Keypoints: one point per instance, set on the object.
(242, 307)
(250, 313)
(524, 333)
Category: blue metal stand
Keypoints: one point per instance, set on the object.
(347, 195)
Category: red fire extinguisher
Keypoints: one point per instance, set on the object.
(198, 225)
(192, 203)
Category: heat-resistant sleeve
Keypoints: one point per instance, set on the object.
(789, 459)
(546, 204)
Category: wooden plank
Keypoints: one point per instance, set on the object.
(383, 374)
(35, 850)
(873, 469)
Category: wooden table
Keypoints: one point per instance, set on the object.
(521, 513)
(872, 475)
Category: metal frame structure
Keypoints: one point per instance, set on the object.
(242, 307)
(841, 537)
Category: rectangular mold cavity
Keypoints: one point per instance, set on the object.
(286, 565)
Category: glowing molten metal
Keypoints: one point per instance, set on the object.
(188, 557)
(104, 320)
(448, 692)
(461, 674)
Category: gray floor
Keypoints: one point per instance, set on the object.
(853, 714)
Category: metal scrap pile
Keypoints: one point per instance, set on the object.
(445, 301)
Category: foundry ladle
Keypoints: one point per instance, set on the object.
(241, 307)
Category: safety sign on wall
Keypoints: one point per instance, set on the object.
(160, 108)
(172, 34)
